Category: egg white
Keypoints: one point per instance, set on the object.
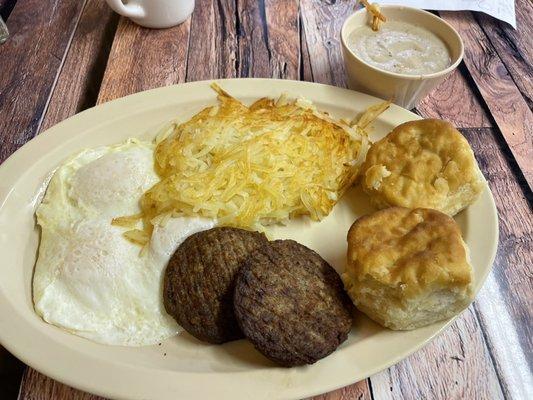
(88, 278)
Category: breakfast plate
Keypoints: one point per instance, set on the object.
(183, 367)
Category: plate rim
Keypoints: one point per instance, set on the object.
(82, 384)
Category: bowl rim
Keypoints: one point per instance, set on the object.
(417, 77)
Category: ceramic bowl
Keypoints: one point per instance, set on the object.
(404, 90)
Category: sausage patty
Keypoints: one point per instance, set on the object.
(291, 304)
(200, 278)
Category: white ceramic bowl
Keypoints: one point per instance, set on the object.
(405, 90)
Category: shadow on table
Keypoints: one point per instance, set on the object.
(11, 370)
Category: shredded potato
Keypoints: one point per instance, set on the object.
(370, 114)
(253, 166)
(128, 221)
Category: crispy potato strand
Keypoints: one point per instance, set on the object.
(371, 114)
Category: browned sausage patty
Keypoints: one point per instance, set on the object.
(291, 304)
(200, 278)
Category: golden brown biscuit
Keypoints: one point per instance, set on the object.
(407, 268)
(425, 163)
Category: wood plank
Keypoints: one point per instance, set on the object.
(504, 100)
(322, 22)
(357, 391)
(245, 38)
(39, 387)
(456, 365)
(31, 60)
(505, 304)
(306, 72)
(80, 78)
(253, 59)
(455, 101)
(514, 46)
(230, 40)
(213, 41)
(283, 28)
(143, 59)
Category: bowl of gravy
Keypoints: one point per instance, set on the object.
(408, 56)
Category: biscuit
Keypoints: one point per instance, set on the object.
(425, 163)
(291, 304)
(407, 268)
(199, 281)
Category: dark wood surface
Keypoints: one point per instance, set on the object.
(66, 56)
(498, 89)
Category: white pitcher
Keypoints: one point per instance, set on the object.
(154, 13)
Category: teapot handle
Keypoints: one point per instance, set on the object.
(127, 10)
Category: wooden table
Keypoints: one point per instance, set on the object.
(66, 56)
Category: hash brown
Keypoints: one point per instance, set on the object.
(252, 166)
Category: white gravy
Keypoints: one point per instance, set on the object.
(400, 47)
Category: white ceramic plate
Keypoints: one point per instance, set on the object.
(183, 367)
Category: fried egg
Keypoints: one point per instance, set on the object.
(89, 279)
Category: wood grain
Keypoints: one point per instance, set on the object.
(213, 41)
(306, 72)
(283, 33)
(357, 391)
(456, 365)
(253, 58)
(504, 100)
(454, 100)
(79, 80)
(322, 23)
(244, 38)
(505, 305)
(142, 59)
(31, 60)
(36, 386)
(514, 46)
